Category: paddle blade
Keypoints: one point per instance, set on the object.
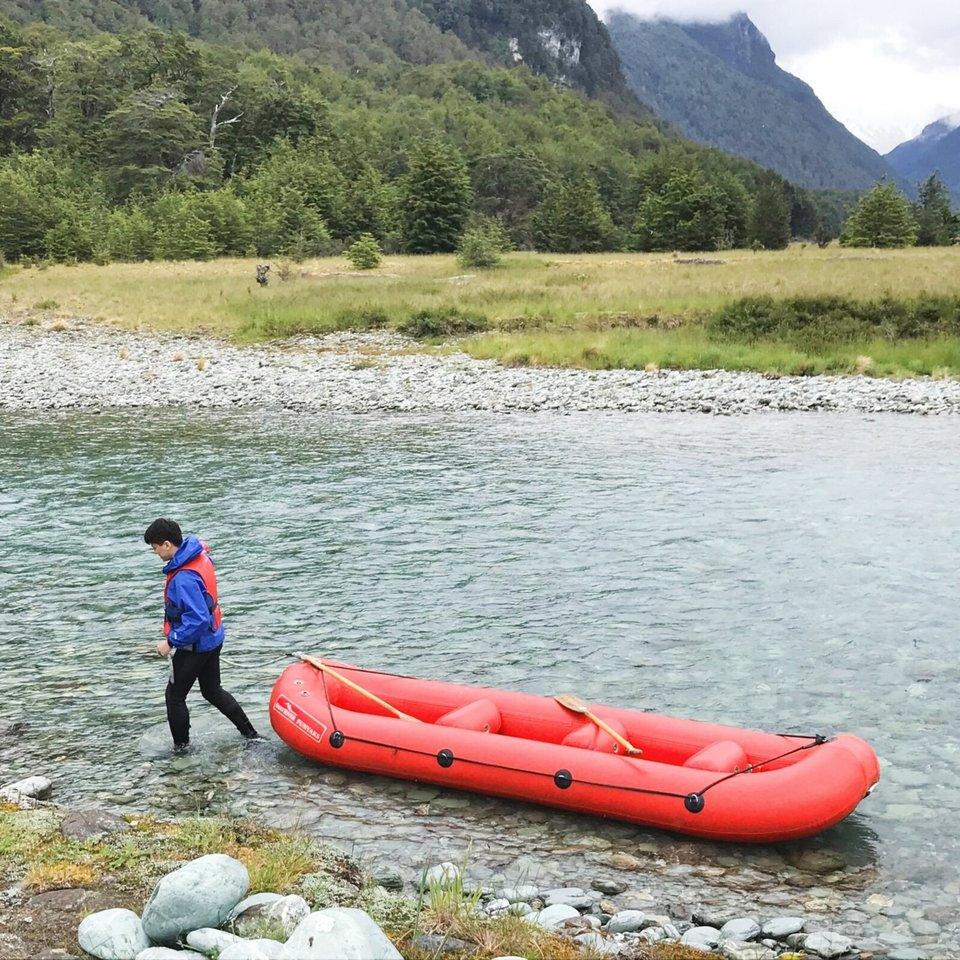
(576, 705)
(571, 702)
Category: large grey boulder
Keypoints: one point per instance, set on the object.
(443, 875)
(779, 928)
(742, 950)
(285, 913)
(571, 896)
(387, 877)
(200, 894)
(743, 930)
(209, 940)
(518, 894)
(259, 949)
(626, 921)
(339, 933)
(288, 912)
(168, 953)
(828, 945)
(591, 940)
(255, 900)
(551, 917)
(25, 791)
(113, 935)
(701, 938)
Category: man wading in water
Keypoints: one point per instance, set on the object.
(193, 630)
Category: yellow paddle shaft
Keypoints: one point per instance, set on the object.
(320, 665)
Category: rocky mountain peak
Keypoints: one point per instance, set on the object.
(719, 84)
(737, 42)
(939, 128)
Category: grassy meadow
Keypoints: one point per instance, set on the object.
(838, 310)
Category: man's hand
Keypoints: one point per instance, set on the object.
(164, 648)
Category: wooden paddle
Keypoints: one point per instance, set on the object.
(320, 665)
(575, 704)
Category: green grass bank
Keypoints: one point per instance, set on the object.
(802, 311)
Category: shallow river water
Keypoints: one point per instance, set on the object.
(795, 573)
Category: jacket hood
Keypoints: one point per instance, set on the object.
(190, 548)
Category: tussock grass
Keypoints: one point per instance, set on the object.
(58, 876)
(32, 844)
(503, 936)
(449, 912)
(595, 311)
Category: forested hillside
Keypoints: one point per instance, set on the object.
(150, 144)
(341, 33)
(719, 84)
(560, 39)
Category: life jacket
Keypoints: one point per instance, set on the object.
(202, 565)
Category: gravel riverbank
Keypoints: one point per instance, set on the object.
(56, 364)
(100, 898)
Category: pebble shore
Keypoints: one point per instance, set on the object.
(56, 364)
(603, 916)
(806, 904)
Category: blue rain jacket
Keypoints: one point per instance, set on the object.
(189, 606)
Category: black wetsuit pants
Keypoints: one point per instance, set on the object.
(186, 668)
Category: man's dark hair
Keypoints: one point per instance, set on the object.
(162, 530)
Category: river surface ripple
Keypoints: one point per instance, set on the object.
(795, 573)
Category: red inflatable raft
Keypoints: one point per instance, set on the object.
(697, 778)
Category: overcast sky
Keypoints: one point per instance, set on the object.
(883, 68)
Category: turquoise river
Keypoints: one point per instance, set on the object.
(795, 573)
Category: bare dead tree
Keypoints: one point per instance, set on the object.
(215, 122)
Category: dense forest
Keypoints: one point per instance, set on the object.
(342, 33)
(153, 145)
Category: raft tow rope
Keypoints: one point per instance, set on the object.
(693, 802)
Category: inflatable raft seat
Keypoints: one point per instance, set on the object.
(480, 715)
(721, 756)
(591, 737)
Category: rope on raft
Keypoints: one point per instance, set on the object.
(563, 779)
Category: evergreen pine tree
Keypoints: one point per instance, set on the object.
(937, 224)
(129, 234)
(435, 198)
(687, 213)
(770, 223)
(180, 233)
(364, 253)
(573, 219)
(882, 218)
